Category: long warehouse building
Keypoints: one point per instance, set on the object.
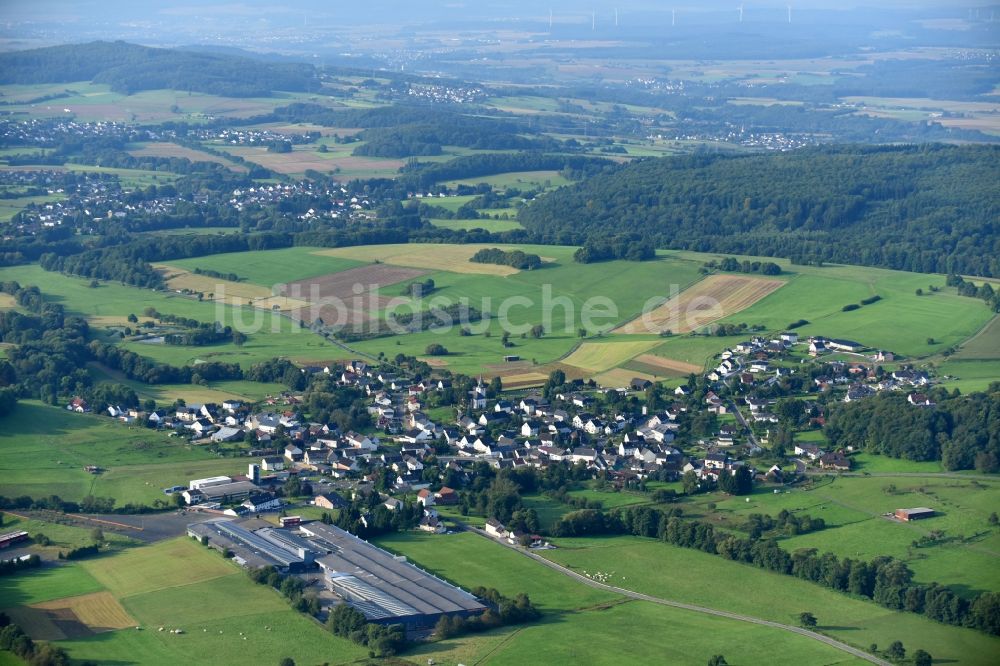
(386, 588)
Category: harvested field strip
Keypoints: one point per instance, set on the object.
(216, 288)
(7, 301)
(621, 377)
(453, 258)
(653, 370)
(524, 379)
(714, 298)
(100, 611)
(600, 356)
(668, 365)
(72, 617)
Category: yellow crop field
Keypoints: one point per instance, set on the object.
(714, 298)
(453, 258)
(597, 357)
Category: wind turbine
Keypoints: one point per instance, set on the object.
(673, 17)
(741, 13)
(593, 20)
(616, 17)
(789, 13)
(550, 20)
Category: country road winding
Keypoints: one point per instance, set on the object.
(860, 654)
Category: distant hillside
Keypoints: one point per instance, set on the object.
(129, 68)
(929, 208)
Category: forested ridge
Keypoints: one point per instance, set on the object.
(929, 208)
(130, 68)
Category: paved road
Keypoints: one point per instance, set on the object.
(743, 422)
(860, 654)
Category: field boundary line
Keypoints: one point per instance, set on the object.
(816, 636)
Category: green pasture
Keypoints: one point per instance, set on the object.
(44, 449)
(522, 180)
(487, 224)
(11, 207)
(575, 613)
(694, 577)
(968, 375)
(271, 267)
(46, 583)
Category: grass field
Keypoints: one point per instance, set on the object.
(686, 575)
(43, 451)
(575, 613)
(901, 321)
(520, 179)
(596, 357)
(984, 346)
(90, 102)
(10, 207)
(45, 584)
(969, 375)
(965, 556)
(488, 225)
(178, 584)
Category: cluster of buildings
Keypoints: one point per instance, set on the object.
(384, 587)
(455, 93)
(78, 200)
(339, 203)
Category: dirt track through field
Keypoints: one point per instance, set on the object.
(832, 642)
(714, 298)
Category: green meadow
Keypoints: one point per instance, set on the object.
(44, 449)
(691, 576)
(573, 613)
(964, 556)
(179, 584)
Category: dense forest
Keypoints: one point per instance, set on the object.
(963, 431)
(130, 68)
(930, 208)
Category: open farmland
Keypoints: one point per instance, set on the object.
(520, 179)
(303, 157)
(660, 569)
(167, 149)
(43, 451)
(72, 617)
(574, 613)
(94, 102)
(710, 300)
(153, 587)
(985, 345)
(595, 357)
(349, 296)
(452, 258)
